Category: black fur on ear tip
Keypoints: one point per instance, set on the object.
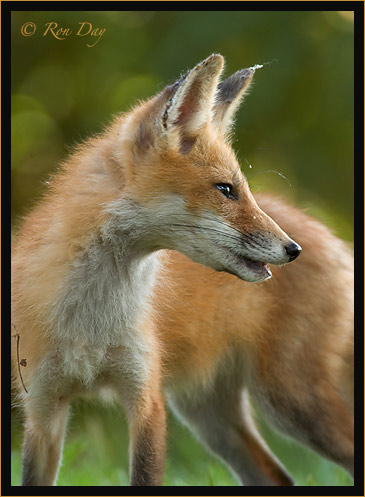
(229, 88)
(245, 73)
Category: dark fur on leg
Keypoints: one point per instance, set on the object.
(148, 449)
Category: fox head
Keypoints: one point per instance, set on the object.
(179, 168)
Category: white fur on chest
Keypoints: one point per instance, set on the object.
(103, 301)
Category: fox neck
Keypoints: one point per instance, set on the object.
(106, 293)
(126, 242)
(129, 232)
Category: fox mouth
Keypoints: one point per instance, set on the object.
(254, 270)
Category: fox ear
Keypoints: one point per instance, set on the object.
(178, 113)
(191, 103)
(229, 96)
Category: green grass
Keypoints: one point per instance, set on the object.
(96, 453)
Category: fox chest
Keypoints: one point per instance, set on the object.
(103, 301)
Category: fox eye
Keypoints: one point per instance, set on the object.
(227, 190)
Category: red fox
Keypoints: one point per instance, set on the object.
(97, 304)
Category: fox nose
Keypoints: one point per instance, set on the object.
(293, 250)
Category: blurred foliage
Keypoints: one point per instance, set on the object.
(297, 121)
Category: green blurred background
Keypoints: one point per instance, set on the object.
(298, 121)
